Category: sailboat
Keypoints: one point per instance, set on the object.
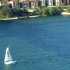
(8, 58)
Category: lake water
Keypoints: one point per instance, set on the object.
(37, 43)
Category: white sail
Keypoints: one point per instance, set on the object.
(7, 56)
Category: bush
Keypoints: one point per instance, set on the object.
(38, 11)
(5, 11)
(54, 11)
(68, 9)
(20, 12)
(51, 11)
(58, 10)
(48, 11)
(44, 11)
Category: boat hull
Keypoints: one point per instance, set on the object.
(10, 62)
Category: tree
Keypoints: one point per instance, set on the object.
(44, 11)
(5, 11)
(51, 11)
(54, 11)
(38, 11)
(20, 12)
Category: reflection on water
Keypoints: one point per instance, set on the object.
(9, 67)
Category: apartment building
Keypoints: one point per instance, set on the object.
(42, 2)
(66, 2)
(34, 3)
(23, 3)
(58, 2)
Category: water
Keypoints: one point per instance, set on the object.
(36, 44)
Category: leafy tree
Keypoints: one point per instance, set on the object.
(58, 11)
(38, 11)
(54, 11)
(5, 11)
(51, 11)
(44, 11)
(20, 12)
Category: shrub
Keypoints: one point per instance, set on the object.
(20, 12)
(54, 11)
(58, 10)
(38, 11)
(44, 11)
(51, 11)
(5, 11)
(68, 9)
(48, 11)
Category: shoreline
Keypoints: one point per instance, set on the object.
(65, 14)
(15, 18)
(12, 18)
(34, 16)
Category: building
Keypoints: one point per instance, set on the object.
(62, 2)
(50, 2)
(58, 2)
(66, 2)
(42, 2)
(32, 4)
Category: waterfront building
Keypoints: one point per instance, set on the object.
(36, 3)
(32, 4)
(62, 2)
(42, 2)
(58, 2)
(66, 2)
(50, 2)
